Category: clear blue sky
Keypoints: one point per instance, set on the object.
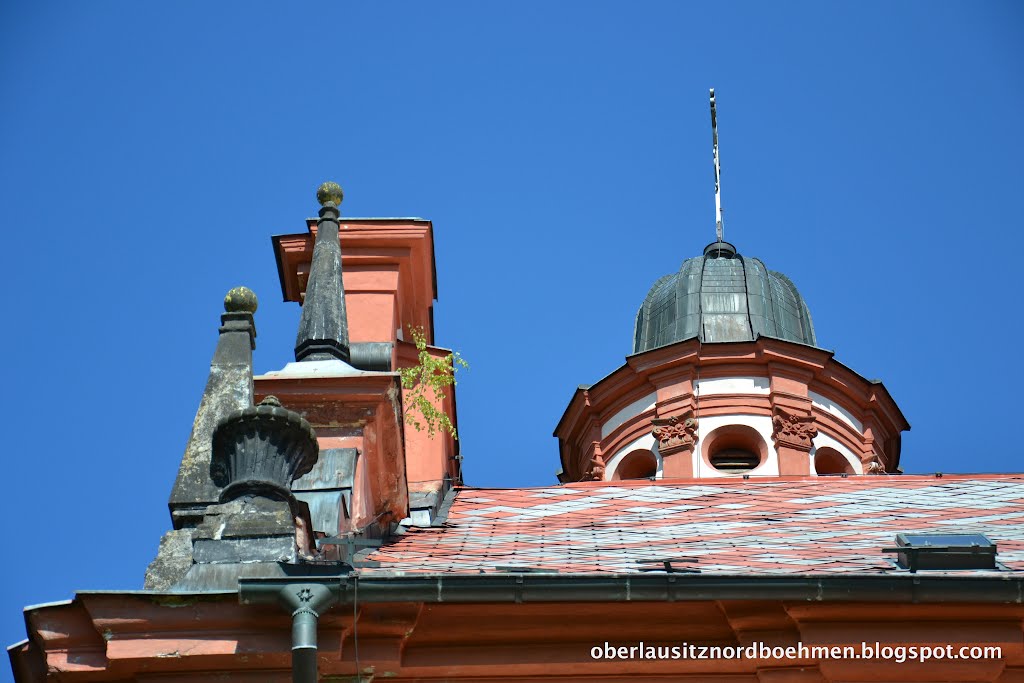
(871, 151)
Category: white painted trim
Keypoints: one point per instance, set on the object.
(734, 385)
(830, 406)
(635, 408)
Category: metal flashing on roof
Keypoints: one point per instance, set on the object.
(327, 489)
(335, 468)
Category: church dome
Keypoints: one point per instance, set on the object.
(722, 297)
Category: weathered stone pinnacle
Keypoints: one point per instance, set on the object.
(323, 329)
(228, 388)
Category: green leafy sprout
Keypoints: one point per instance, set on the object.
(429, 378)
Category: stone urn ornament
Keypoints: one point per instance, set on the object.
(261, 450)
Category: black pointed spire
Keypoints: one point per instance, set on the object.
(323, 330)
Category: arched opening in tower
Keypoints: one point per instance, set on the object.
(638, 464)
(735, 449)
(830, 461)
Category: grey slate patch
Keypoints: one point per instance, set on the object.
(247, 529)
(264, 549)
(247, 517)
(210, 577)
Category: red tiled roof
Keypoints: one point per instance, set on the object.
(757, 526)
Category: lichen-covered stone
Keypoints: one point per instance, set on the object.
(172, 562)
(241, 300)
(329, 192)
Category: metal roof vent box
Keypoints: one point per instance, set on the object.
(917, 551)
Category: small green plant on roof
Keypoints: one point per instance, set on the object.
(427, 380)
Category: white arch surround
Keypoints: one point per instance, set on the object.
(824, 440)
(830, 406)
(641, 405)
(762, 424)
(645, 442)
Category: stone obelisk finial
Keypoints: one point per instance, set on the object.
(323, 330)
(229, 388)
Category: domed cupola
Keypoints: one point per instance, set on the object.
(722, 297)
(726, 380)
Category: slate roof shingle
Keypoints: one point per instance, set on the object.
(802, 525)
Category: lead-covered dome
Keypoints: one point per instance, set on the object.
(722, 297)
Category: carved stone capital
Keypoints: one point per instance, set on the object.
(597, 468)
(676, 433)
(793, 429)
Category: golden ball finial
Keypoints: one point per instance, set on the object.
(240, 300)
(329, 193)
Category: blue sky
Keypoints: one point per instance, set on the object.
(870, 151)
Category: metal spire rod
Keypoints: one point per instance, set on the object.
(719, 227)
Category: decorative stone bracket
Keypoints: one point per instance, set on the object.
(675, 434)
(793, 434)
(793, 430)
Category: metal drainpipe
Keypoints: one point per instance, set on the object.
(305, 601)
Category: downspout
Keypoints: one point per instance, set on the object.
(306, 602)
